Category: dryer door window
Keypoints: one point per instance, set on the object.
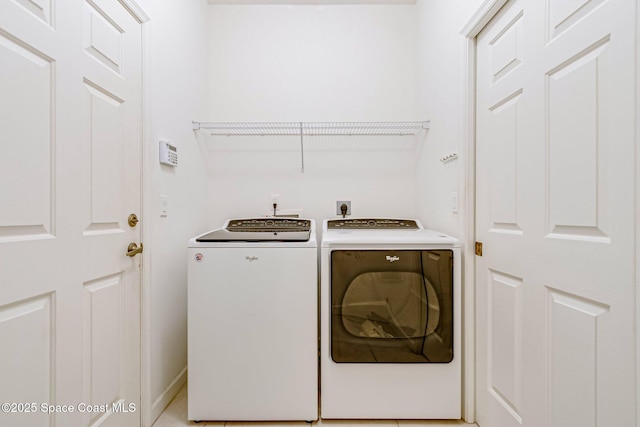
(392, 306)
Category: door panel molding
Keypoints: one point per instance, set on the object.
(27, 215)
(579, 317)
(34, 357)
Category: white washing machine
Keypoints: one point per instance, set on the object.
(390, 321)
(252, 313)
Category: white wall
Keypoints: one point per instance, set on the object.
(177, 94)
(312, 63)
(441, 62)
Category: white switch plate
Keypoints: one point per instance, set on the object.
(454, 202)
(164, 205)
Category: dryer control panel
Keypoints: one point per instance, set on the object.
(373, 223)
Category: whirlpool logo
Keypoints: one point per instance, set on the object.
(393, 258)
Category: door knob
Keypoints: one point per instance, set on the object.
(133, 249)
(132, 220)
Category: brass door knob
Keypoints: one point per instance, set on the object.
(133, 249)
(132, 220)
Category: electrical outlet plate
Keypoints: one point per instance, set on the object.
(339, 203)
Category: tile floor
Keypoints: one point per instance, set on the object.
(176, 416)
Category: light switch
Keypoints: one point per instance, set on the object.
(454, 202)
(164, 205)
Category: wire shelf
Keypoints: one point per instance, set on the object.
(302, 129)
(312, 128)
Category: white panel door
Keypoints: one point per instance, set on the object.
(555, 213)
(70, 135)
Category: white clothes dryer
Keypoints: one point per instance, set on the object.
(390, 321)
(252, 321)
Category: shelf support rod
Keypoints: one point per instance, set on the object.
(301, 148)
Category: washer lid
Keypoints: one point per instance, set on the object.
(261, 230)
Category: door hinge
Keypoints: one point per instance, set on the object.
(479, 248)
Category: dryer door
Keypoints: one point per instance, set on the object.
(392, 306)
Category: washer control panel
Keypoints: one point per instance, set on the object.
(373, 224)
(269, 224)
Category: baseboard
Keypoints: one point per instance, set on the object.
(167, 395)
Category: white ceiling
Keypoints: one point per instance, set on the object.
(312, 2)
